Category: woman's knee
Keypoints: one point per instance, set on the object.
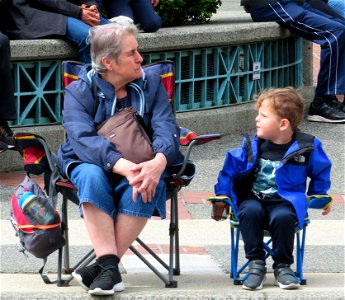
(89, 174)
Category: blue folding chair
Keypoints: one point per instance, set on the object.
(316, 202)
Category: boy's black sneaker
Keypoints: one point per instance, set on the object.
(256, 275)
(86, 275)
(326, 112)
(107, 282)
(285, 277)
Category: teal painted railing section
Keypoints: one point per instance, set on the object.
(204, 78)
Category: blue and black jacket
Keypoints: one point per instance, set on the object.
(82, 114)
(304, 159)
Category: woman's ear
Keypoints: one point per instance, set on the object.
(106, 62)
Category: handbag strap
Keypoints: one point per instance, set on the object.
(95, 95)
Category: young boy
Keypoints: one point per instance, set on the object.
(267, 179)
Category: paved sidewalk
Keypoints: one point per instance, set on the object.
(204, 243)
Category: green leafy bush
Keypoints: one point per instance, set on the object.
(186, 12)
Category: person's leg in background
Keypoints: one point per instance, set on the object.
(140, 11)
(145, 15)
(325, 7)
(77, 33)
(329, 33)
(8, 107)
(338, 5)
(115, 8)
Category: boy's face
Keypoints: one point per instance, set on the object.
(268, 123)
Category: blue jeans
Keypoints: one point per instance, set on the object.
(318, 27)
(141, 11)
(114, 197)
(77, 33)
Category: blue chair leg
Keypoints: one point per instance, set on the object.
(300, 244)
(235, 237)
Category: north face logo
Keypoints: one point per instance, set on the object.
(299, 159)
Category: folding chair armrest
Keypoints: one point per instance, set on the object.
(198, 140)
(319, 201)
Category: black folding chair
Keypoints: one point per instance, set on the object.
(180, 176)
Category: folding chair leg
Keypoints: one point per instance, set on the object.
(300, 244)
(174, 233)
(66, 258)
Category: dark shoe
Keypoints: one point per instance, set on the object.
(285, 277)
(256, 275)
(86, 275)
(6, 137)
(107, 282)
(325, 112)
(333, 101)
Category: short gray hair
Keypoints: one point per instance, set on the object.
(105, 40)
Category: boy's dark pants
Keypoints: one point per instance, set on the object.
(276, 216)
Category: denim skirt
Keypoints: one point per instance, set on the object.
(113, 196)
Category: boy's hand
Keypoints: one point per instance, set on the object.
(327, 210)
(220, 210)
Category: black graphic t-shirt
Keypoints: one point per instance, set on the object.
(270, 155)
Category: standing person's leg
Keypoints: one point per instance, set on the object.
(252, 219)
(145, 15)
(324, 30)
(282, 223)
(8, 107)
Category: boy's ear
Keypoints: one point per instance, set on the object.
(284, 124)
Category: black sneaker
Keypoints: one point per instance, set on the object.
(285, 277)
(6, 140)
(107, 282)
(86, 275)
(333, 100)
(256, 275)
(326, 112)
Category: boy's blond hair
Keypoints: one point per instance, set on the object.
(286, 102)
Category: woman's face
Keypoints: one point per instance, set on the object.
(128, 64)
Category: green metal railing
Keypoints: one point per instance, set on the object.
(204, 78)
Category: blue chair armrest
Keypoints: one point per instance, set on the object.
(319, 201)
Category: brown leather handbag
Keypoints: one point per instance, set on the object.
(126, 132)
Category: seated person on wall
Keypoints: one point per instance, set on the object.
(142, 12)
(266, 179)
(322, 29)
(8, 108)
(69, 20)
(115, 210)
(330, 7)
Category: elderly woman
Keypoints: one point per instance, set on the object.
(115, 210)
